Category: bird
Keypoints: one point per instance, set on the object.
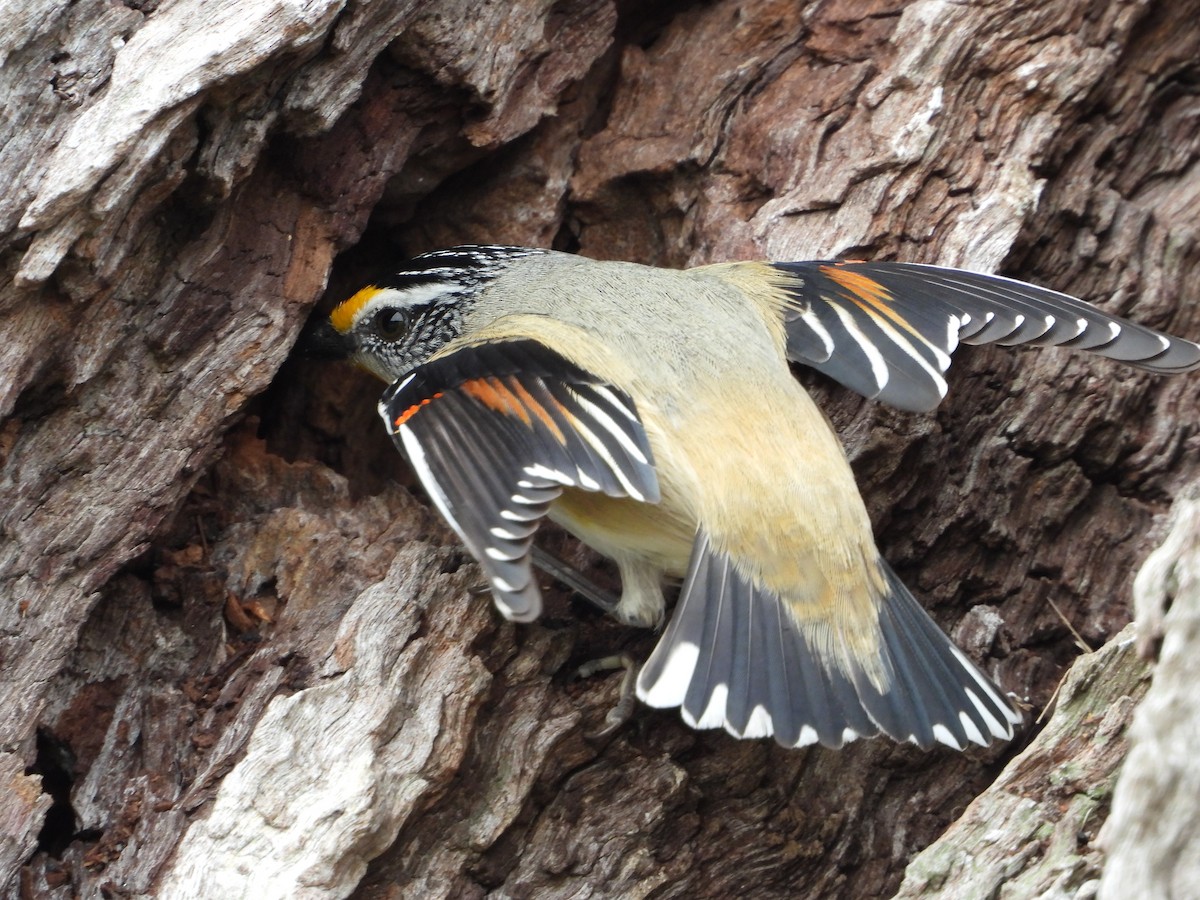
(653, 413)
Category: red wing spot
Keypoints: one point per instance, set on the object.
(412, 410)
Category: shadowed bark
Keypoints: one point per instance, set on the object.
(238, 654)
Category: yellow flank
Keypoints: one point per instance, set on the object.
(342, 318)
(619, 527)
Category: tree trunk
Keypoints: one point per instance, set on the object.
(239, 656)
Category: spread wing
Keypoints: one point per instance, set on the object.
(496, 431)
(887, 330)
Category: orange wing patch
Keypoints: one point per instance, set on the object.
(497, 396)
(506, 396)
(868, 293)
(866, 289)
(342, 318)
(511, 398)
(540, 411)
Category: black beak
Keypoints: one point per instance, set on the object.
(320, 340)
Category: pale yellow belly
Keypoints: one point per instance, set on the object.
(776, 496)
(621, 528)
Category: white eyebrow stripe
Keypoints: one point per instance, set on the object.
(403, 298)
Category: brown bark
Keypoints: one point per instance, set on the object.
(238, 658)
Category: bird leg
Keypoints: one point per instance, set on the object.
(556, 568)
(622, 711)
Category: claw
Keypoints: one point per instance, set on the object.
(622, 711)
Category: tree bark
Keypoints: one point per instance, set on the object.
(240, 657)
(1151, 837)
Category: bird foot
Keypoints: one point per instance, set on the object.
(623, 710)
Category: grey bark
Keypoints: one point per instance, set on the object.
(237, 657)
(1151, 836)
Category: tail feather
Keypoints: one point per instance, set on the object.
(752, 714)
(713, 671)
(831, 714)
(740, 706)
(783, 690)
(943, 673)
(733, 657)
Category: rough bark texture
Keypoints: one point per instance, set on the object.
(238, 658)
(1031, 833)
(1152, 838)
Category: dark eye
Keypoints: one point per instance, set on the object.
(390, 323)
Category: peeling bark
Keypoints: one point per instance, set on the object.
(238, 658)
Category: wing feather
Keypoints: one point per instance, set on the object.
(496, 431)
(887, 330)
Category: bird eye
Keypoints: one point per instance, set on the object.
(391, 323)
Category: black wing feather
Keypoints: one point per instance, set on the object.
(496, 431)
(887, 329)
